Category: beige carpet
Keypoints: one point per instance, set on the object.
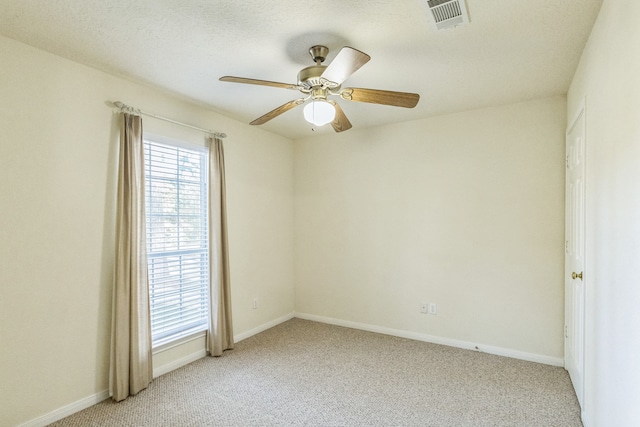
(304, 373)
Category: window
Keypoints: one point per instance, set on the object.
(177, 241)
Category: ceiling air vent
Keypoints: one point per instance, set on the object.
(448, 13)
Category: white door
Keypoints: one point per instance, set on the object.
(575, 277)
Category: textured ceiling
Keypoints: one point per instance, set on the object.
(512, 50)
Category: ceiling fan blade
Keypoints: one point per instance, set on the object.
(347, 62)
(340, 122)
(277, 111)
(384, 97)
(234, 79)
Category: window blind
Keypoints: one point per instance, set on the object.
(177, 240)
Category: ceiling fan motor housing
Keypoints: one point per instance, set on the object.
(311, 78)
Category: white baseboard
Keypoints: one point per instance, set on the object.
(498, 351)
(67, 410)
(179, 363)
(263, 327)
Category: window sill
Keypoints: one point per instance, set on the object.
(179, 341)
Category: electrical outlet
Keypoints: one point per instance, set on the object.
(424, 308)
(433, 308)
(255, 303)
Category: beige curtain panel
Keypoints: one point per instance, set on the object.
(220, 333)
(131, 369)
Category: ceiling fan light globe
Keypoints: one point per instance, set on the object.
(319, 113)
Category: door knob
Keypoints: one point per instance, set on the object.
(575, 275)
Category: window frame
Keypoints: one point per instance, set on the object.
(178, 336)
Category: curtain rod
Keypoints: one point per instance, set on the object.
(127, 109)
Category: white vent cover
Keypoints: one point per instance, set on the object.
(448, 13)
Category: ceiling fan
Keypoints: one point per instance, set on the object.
(318, 82)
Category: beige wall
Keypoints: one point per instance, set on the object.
(57, 185)
(608, 78)
(464, 210)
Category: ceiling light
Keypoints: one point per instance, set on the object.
(319, 112)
